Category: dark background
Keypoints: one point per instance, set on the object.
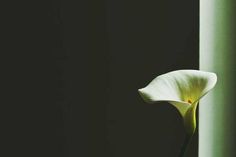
(72, 73)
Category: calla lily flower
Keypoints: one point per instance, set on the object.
(183, 89)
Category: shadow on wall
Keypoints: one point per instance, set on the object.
(131, 45)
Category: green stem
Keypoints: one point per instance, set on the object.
(185, 145)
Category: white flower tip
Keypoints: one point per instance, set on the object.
(212, 80)
(146, 97)
(214, 76)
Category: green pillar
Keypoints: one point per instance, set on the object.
(217, 113)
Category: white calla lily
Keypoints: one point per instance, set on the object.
(182, 89)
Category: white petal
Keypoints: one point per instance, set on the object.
(179, 88)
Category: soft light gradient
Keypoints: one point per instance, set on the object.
(217, 53)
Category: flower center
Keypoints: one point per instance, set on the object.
(189, 101)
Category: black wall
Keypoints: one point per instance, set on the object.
(73, 81)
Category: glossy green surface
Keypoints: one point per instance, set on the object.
(217, 124)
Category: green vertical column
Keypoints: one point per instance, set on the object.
(217, 113)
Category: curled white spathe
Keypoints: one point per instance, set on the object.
(181, 88)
